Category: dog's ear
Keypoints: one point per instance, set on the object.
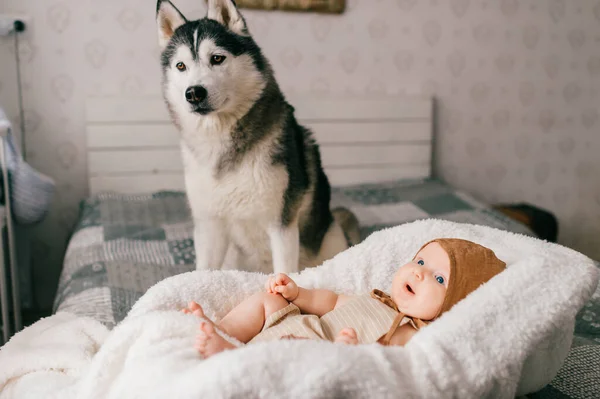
(168, 19)
(226, 13)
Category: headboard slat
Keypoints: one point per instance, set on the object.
(169, 159)
(165, 135)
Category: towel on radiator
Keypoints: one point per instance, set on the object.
(507, 338)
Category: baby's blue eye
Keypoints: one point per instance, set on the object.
(421, 262)
(440, 279)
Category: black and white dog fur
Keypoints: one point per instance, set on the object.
(258, 194)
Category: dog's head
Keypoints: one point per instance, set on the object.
(212, 65)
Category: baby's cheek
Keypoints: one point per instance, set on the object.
(440, 295)
(433, 302)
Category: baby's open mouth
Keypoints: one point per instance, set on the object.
(409, 289)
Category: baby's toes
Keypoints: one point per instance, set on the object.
(199, 346)
(207, 328)
(196, 309)
(200, 341)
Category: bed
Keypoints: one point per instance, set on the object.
(135, 228)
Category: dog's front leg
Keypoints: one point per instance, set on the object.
(285, 247)
(210, 242)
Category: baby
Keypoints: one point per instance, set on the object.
(443, 272)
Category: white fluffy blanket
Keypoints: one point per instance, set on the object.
(508, 337)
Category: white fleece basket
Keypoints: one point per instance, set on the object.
(508, 337)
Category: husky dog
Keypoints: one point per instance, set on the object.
(257, 192)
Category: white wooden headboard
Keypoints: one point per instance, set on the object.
(132, 147)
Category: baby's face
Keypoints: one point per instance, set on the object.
(419, 287)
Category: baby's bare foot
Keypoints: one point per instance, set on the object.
(347, 336)
(193, 308)
(208, 342)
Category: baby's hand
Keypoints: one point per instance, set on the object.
(347, 336)
(284, 285)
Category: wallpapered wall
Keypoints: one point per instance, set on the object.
(518, 83)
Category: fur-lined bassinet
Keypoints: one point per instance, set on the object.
(507, 338)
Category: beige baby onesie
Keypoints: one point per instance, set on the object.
(369, 317)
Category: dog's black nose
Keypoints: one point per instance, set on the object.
(195, 94)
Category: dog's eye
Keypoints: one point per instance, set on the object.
(180, 66)
(217, 59)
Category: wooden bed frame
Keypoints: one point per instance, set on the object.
(132, 146)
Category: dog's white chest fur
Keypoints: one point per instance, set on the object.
(252, 189)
